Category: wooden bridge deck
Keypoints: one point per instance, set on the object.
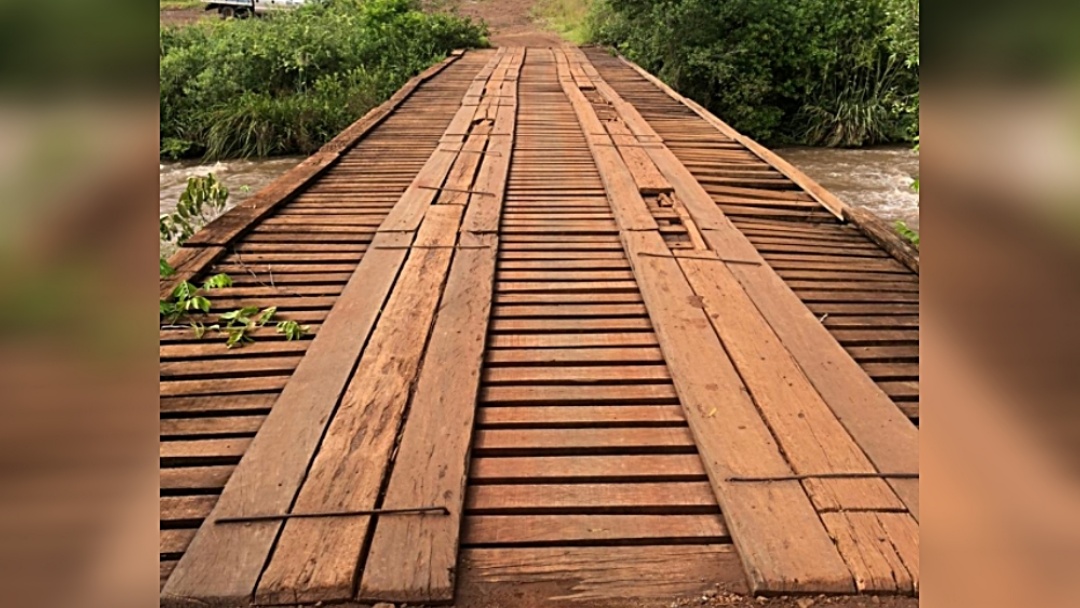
(631, 353)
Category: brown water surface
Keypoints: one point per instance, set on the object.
(876, 178)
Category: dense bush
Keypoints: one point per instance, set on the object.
(289, 82)
(821, 72)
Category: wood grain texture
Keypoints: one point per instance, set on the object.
(413, 559)
(317, 559)
(884, 235)
(814, 423)
(270, 474)
(780, 538)
(596, 576)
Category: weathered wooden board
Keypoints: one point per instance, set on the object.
(780, 538)
(413, 559)
(269, 476)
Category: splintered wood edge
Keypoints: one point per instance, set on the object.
(877, 230)
(205, 247)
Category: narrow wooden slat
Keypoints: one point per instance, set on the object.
(584, 395)
(195, 478)
(186, 508)
(580, 529)
(554, 469)
(552, 356)
(592, 497)
(577, 415)
(581, 440)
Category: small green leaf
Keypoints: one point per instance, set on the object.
(266, 315)
(199, 329)
(184, 290)
(164, 269)
(166, 307)
(218, 281)
(292, 330)
(197, 303)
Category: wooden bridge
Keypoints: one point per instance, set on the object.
(574, 341)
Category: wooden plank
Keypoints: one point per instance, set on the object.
(806, 429)
(596, 468)
(574, 355)
(671, 497)
(780, 538)
(505, 441)
(577, 415)
(884, 235)
(578, 394)
(195, 478)
(645, 174)
(201, 451)
(186, 508)
(597, 576)
(880, 429)
(567, 374)
(174, 542)
(619, 339)
(268, 478)
(218, 425)
(316, 559)
(579, 529)
(413, 559)
(869, 552)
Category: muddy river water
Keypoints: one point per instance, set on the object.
(876, 178)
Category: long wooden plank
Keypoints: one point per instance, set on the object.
(273, 467)
(880, 428)
(782, 542)
(412, 559)
(596, 576)
(807, 430)
(316, 559)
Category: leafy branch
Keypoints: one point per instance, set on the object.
(907, 233)
(187, 299)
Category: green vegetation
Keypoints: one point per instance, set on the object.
(176, 5)
(569, 18)
(907, 233)
(201, 202)
(187, 300)
(289, 82)
(817, 72)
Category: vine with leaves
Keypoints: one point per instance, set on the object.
(203, 200)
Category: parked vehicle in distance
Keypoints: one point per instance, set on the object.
(242, 9)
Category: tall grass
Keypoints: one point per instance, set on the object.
(569, 18)
(289, 82)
